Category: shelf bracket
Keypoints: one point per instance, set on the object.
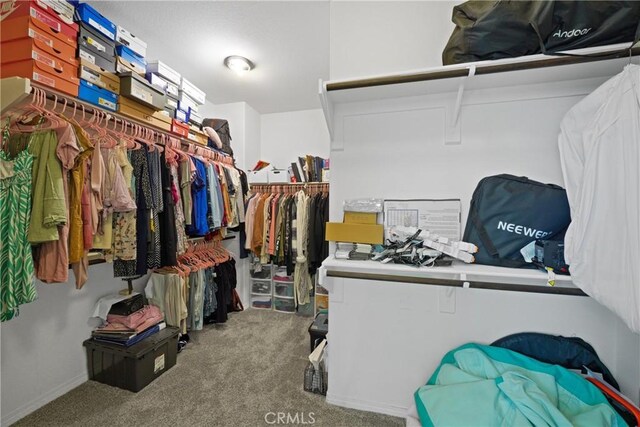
(13, 90)
(327, 107)
(452, 128)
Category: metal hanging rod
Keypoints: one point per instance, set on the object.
(61, 98)
(291, 187)
(272, 184)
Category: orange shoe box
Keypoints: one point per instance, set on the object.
(26, 26)
(180, 128)
(43, 74)
(39, 11)
(28, 48)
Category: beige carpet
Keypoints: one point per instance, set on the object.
(229, 375)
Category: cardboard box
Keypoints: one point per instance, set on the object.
(29, 48)
(180, 128)
(63, 9)
(135, 87)
(187, 104)
(98, 60)
(42, 13)
(137, 62)
(89, 15)
(99, 76)
(135, 110)
(94, 42)
(195, 118)
(192, 91)
(355, 233)
(171, 103)
(27, 26)
(97, 96)
(173, 91)
(157, 81)
(164, 71)
(123, 66)
(182, 115)
(125, 38)
(360, 217)
(41, 73)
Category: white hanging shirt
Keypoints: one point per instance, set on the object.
(600, 154)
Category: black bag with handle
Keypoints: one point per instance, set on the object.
(509, 212)
(507, 29)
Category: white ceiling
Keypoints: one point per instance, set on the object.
(288, 42)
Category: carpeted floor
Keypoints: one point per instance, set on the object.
(229, 375)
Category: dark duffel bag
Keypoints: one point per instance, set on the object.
(507, 29)
(508, 212)
(221, 126)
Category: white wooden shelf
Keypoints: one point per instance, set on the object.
(458, 275)
(605, 62)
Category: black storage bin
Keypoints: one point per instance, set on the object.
(132, 368)
(318, 330)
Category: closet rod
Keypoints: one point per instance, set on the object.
(460, 283)
(553, 61)
(54, 95)
(289, 183)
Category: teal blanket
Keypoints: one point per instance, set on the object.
(478, 385)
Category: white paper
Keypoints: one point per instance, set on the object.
(441, 217)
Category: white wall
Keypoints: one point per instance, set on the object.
(368, 38)
(42, 352)
(287, 136)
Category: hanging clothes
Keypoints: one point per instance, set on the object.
(87, 186)
(199, 223)
(52, 258)
(167, 219)
(301, 279)
(165, 291)
(49, 208)
(16, 263)
(600, 160)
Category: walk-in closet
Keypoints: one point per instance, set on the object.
(332, 213)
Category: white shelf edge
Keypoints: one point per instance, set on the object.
(478, 64)
(525, 280)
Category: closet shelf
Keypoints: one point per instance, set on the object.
(458, 275)
(604, 62)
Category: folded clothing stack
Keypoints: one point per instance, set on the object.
(130, 329)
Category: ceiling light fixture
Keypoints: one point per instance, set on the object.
(238, 64)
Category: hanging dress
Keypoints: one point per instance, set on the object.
(16, 264)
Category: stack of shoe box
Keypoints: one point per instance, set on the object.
(161, 75)
(99, 85)
(39, 43)
(139, 98)
(190, 99)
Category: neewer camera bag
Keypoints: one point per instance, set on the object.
(507, 29)
(509, 212)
